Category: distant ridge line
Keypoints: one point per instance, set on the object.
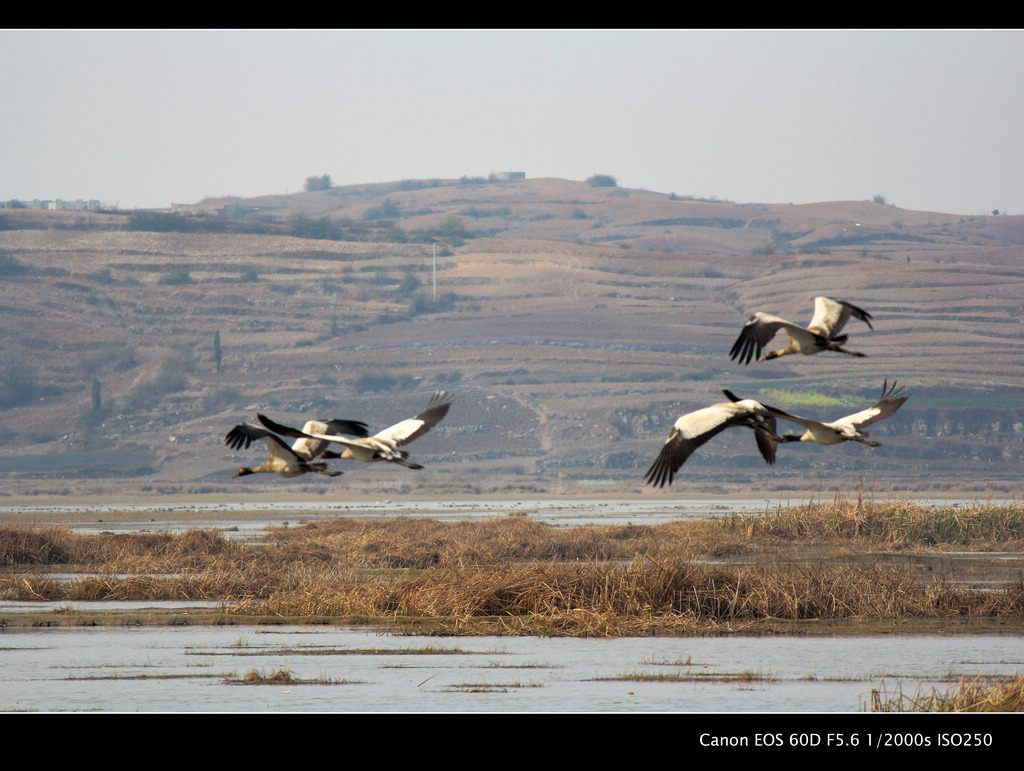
(560, 342)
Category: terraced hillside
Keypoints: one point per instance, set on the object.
(573, 323)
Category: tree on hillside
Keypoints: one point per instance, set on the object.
(179, 275)
(602, 180)
(303, 226)
(318, 183)
(11, 265)
(385, 210)
(97, 400)
(451, 226)
(18, 384)
(218, 354)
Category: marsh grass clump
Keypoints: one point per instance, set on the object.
(424, 543)
(515, 575)
(689, 677)
(27, 546)
(62, 546)
(256, 677)
(896, 524)
(193, 565)
(283, 676)
(642, 597)
(975, 695)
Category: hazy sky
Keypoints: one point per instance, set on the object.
(932, 120)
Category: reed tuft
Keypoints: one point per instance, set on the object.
(968, 695)
(514, 575)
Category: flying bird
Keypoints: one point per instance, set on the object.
(822, 334)
(303, 457)
(694, 429)
(846, 429)
(382, 446)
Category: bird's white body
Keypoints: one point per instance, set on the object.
(692, 430)
(310, 447)
(384, 445)
(822, 334)
(300, 458)
(845, 429)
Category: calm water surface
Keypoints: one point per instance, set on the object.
(186, 669)
(183, 669)
(246, 518)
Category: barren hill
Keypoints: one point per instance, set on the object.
(573, 323)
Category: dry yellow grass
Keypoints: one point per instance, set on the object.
(514, 575)
(896, 524)
(967, 695)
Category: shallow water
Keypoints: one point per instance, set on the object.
(245, 521)
(182, 669)
(244, 518)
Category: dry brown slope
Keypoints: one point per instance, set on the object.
(570, 359)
